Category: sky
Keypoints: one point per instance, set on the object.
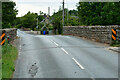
(23, 6)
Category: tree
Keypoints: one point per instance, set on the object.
(73, 12)
(41, 16)
(56, 19)
(92, 13)
(57, 24)
(29, 20)
(8, 14)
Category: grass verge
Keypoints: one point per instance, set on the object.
(9, 55)
(0, 65)
(115, 44)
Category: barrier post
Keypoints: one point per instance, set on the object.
(114, 35)
(3, 38)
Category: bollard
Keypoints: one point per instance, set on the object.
(8, 38)
(114, 34)
(3, 38)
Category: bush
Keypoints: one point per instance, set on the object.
(115, 44)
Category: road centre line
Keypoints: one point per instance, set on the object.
(61, 48)
(65, 51)
(72, 58)
(56, 44)
(78, 63)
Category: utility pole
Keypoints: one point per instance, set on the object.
(37, 24)
(67, 13)
(37, 21)
(48, 11)
(63, 12)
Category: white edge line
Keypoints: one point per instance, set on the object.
(78, 63)
(65, 51)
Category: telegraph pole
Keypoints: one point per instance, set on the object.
(48, 11)
(63, 12)
(37, 23)
(67, 12)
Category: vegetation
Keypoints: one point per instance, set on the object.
(29, 20)
(115, 44)
(89, 13)
(71, 19)
(0, 62)
(56, 20)
(9, 55)
(92, 13)
(8, 14)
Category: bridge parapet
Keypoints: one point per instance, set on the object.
(10, 32)
(101, 34)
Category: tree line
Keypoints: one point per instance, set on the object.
(8, 14)
(99, 13)
(86, 13)
(29, 20)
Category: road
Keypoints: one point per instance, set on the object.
(57, 56)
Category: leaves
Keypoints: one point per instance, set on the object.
(8, 14)
(95, 13)
(29, 20)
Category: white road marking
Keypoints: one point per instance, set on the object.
(61, 48)
(20, 48)
(51, 40)
(78, 63)
(67, 36)
(19, 53)
(56, 44)
(65, 51)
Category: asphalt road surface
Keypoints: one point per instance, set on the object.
(57, 56)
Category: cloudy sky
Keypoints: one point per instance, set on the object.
(42, 5)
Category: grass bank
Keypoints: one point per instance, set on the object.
(9, 55)
(0, 62)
